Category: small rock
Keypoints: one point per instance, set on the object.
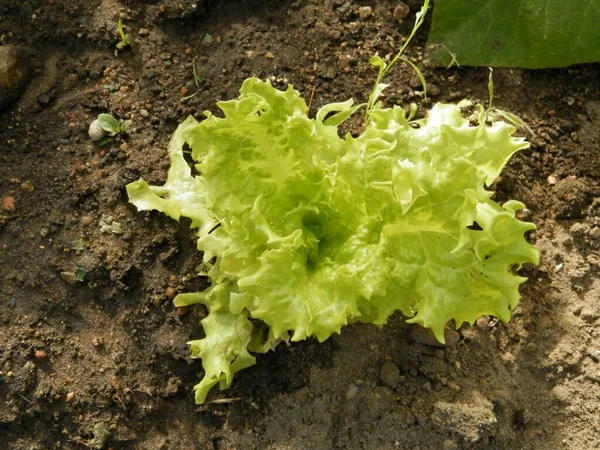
(14, 74)
(351, 392)
(449, 445)
(433, 90)
(560, 393)
(95, 132)
(44, 100)
(8, 204)
(40, 355)
(577, 229)
(595, 233)
(68, 277)
(27, 186)
(588, 314)
(172, 387)
(401, 11)
(483, 323)
(171, 293)
(144, 113)
(364, 12)
(70, 396)
(181, 310)
(389, 374)
(594, 353)
(334, 35)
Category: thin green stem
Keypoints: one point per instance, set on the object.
(383, 69)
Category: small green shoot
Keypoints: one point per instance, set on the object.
(78, 246)
(499, 114)
(113, 126)
(490, 88)
(124, 42)
(384, 67)
(197, 81)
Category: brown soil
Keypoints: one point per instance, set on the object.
(103, 362)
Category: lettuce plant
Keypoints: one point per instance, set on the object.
(304, 231)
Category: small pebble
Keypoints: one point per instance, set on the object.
(8, 204)
(27, 186)
(95, 132)
(70, 396)
(389, 374)
(40, 354)
(454, 386)
(68, 277)
(364, 12)
(181, 310)
(449, 445)
(171, 293)
(144, 113)
(401, 11)
(588, 314)
(483, 323)
(595, 233)
(351, 392)
(560, 393)
(594, 353)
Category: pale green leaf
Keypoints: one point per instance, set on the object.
(109, 123)
(342, 111)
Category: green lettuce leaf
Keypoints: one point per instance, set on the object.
(304, 232)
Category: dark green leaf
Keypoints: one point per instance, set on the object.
(80, 273)
(516, 33)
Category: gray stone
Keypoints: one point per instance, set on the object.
(15, 73)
